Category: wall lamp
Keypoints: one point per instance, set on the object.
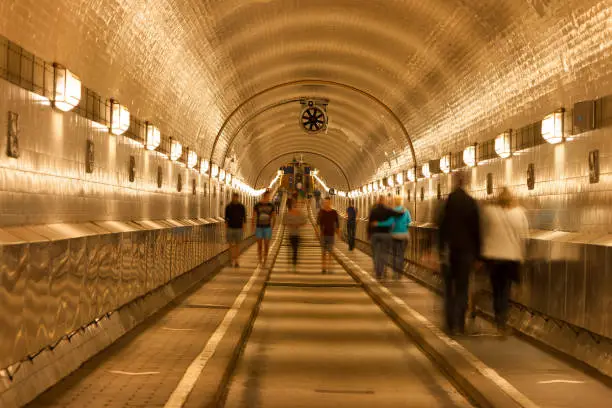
(221, 174)
(214, 172)
(552, 127)
(153, 137)
(204, 166)
(469, 156)
(411, 176)
(399, 177)
(120, 118)
(445, 163)
(176, 150)
(192, 158)
(228, 179)
(67, 89)
(390, 181)
(503, 145)
(425, 170)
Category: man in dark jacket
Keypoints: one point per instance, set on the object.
(380, 237)
(460, 238)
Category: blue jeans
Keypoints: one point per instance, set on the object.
(381, 243)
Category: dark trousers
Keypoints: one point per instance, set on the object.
(351, 227)
(295, 243)
(456, 282)
(502, 274)
(399, 250)
(380, 250)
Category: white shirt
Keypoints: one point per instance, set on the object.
(504, 231)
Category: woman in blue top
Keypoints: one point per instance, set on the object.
(400, 235)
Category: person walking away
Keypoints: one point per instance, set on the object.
(277, 201)
(263, 220)
(294, 220)
(351, 225)
(380, 236)
(329, 226)
(504, 231)
(399, 235)
(235, 219)
(459, 236)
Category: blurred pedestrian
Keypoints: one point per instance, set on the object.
(399, 235)
(504, 231)
(459, 237)
(329, 227)
(380, 236)
(263, 221)
(294, 220)
(235, 219)
(351, 224)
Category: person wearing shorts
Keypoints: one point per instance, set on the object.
(235, 218)
(264, 220)
(329, 227)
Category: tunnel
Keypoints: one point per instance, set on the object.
(136, 133)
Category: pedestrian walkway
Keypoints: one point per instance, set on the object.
(143, 368)
(546, 380)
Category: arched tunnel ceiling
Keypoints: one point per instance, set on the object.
(453, 71)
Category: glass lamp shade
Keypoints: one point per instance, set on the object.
(176, 150)
(204, 166)
(192, 159)
(399, 177)
(153, 138)
(67, 92)
(469, 156)
(411, 175)
(445, 163)
(214, 170)
(425, 170)
(120, 119)
(552, 128)
(502, 145)
(222, 175)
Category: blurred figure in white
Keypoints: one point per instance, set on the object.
(504, 231)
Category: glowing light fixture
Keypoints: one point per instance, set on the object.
(445, 163)
(390, 181)
(279, 173)
(469, 156)
(222, 174)
(425, 170)
(370, 188)
(502, 145)
(399, 177)
(214, 170)
(192, 159)
(120, 119)
(67, 91)
(375, 186)
(411, 176)
(552, 127)
(176, 150)
(204, 166)
(153, 137)
(228, 179)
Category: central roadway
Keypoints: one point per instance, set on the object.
(320, 341)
